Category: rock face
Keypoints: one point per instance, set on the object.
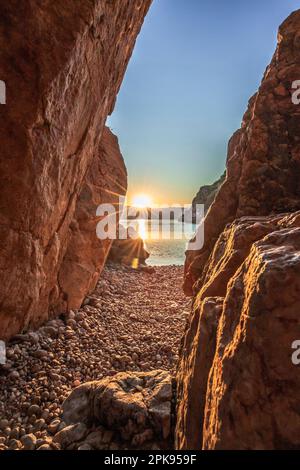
(237, 384)
(252, 399)
(135, 408)
(86, 254)
(63, 63)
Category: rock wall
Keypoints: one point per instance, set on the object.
(63, 63)
(237, 385)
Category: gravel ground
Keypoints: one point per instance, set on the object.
(132, 322)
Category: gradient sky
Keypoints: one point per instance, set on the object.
(195, 65)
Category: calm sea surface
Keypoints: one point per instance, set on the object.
(165, 241)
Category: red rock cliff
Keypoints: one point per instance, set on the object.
(63, 63)
(237, 384)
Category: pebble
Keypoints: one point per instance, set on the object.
(33, 410)
(14, 444)
(53, 426)
(14, 375)
(28, 441)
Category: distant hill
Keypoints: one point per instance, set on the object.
(162, 213)
(206, 196)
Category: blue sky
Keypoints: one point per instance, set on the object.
(195, 65)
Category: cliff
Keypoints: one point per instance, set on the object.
(63, 63)
(237, 384)
(207, 193)
(205, 197)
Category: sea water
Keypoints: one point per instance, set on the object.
(166, 241)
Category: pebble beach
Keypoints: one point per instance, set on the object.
(133, 321)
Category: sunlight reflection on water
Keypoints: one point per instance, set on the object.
(165, 241)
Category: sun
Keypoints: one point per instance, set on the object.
(141, 201)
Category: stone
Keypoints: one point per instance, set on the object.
(70, 434)
(140, 439)
(94, 440)
(3, 424)
(129, 252)
(34, 410)
(28, 441)
(14, 375)
(45, 447)
(130, 403)
(40, 354)
(50, 331)
(85, 446)
(14, 444)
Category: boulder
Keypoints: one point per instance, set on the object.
(70, 434)
(130, 252)
(238, 342)
(133, 406)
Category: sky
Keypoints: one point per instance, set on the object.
(194, 68)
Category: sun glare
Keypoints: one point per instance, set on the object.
(141, 201)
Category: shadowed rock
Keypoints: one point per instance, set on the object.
(63, 64)
(136, 406)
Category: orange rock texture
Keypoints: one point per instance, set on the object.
(237, 385)
(63, 63)
(86, 254)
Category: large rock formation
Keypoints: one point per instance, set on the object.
(63, 63)
(237, 385)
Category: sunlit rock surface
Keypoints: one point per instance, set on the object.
(134, 407)
(86, 254)
(63, 63)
